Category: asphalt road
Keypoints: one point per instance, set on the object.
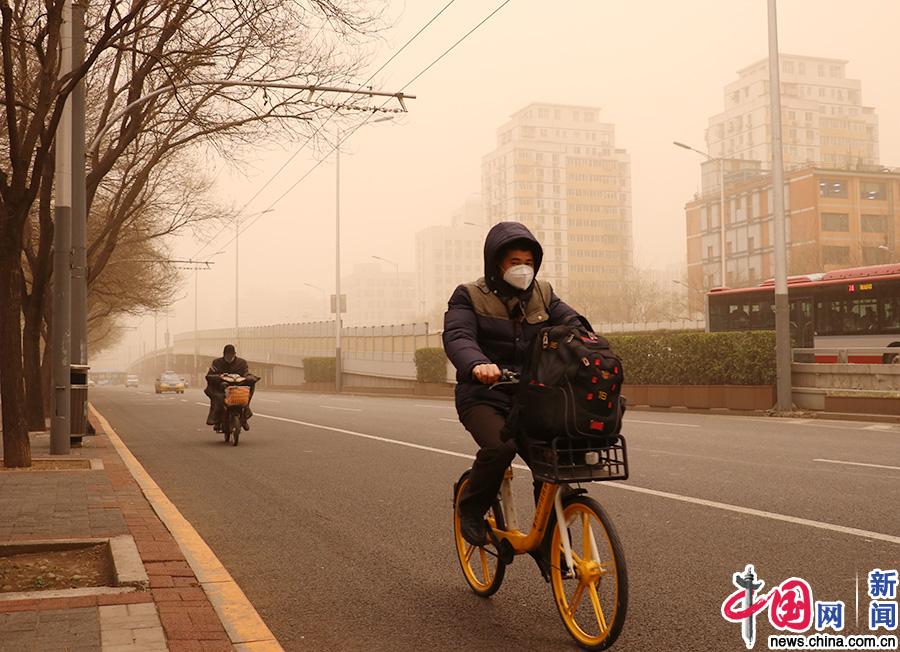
(334, 515)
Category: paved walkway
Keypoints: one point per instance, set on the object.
(173, 613)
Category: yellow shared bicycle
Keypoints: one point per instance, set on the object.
(572, 538)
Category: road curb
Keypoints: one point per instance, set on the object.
(244, 626)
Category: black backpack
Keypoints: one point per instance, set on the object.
(571, 386)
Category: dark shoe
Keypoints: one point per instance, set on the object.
(473, 529)
(217, 427)
(244, 424)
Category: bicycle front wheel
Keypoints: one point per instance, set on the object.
(481, 565)
(593, 599)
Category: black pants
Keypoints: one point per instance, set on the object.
(484, 423)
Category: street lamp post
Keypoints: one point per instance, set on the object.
(324, 298)
(783, 358)
(721, 161)
(391, 262)
(338, 370)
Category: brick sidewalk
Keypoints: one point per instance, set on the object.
(173, 614)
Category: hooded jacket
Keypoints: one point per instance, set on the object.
(489, 321)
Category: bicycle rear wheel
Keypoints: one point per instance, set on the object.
(481, 565)
(593, 600)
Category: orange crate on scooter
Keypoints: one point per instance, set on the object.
(237, 395)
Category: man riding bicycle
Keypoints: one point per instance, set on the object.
(489, 326)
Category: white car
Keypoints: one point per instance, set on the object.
(131, 380)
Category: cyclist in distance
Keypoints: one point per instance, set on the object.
(489, 325)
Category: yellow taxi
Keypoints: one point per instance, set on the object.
(169, 381)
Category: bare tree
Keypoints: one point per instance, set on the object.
(637, 297)
(152, 47)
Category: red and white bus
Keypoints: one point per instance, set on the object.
(841, 309)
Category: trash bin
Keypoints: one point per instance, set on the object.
(78, 377)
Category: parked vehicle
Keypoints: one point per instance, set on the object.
(131, 380)
(169, 381)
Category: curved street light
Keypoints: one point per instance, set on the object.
(721, 161)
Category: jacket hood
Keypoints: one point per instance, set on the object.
(498, 237)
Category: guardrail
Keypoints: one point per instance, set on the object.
(844, 355)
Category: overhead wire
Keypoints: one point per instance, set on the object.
(322, 125)
(369, 117)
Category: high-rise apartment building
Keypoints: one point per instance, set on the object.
(377, 296)
(557, 170)
(446, 256)
(824, 121)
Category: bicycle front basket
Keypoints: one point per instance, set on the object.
(237, 395)
(567, 459)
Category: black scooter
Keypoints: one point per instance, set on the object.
(237, 401)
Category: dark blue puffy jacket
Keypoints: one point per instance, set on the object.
(489, 321)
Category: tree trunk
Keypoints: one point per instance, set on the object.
(16, 446)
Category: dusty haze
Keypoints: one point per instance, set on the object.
(656, 68)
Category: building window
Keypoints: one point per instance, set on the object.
(871, 190)
(835, 255)
(874, 255)
(874, 223)
(835, 222)
(832, 188)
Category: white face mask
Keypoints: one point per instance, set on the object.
(519, 276)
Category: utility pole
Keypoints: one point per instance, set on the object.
(338, 371)
(196, 377)
(237, 259)
(782, 306)
(79, 215)
(62, 251)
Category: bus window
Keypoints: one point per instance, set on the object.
(857, 316)
(738, 317)
(865, 314)
(801, 322)
(829, 318)
(718, 316)
(890, 317)
(762, 315)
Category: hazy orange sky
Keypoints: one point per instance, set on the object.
(656, 68)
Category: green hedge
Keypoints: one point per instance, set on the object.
(318, 370)
(431, 365)
(732, 358)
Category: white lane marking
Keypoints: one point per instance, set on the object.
(880, 426)
(449, 420)
(385, 440)
(662, 423)
(874, 466)
(335, 407)
(434, 407)
(267, 400)
(865, 534)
